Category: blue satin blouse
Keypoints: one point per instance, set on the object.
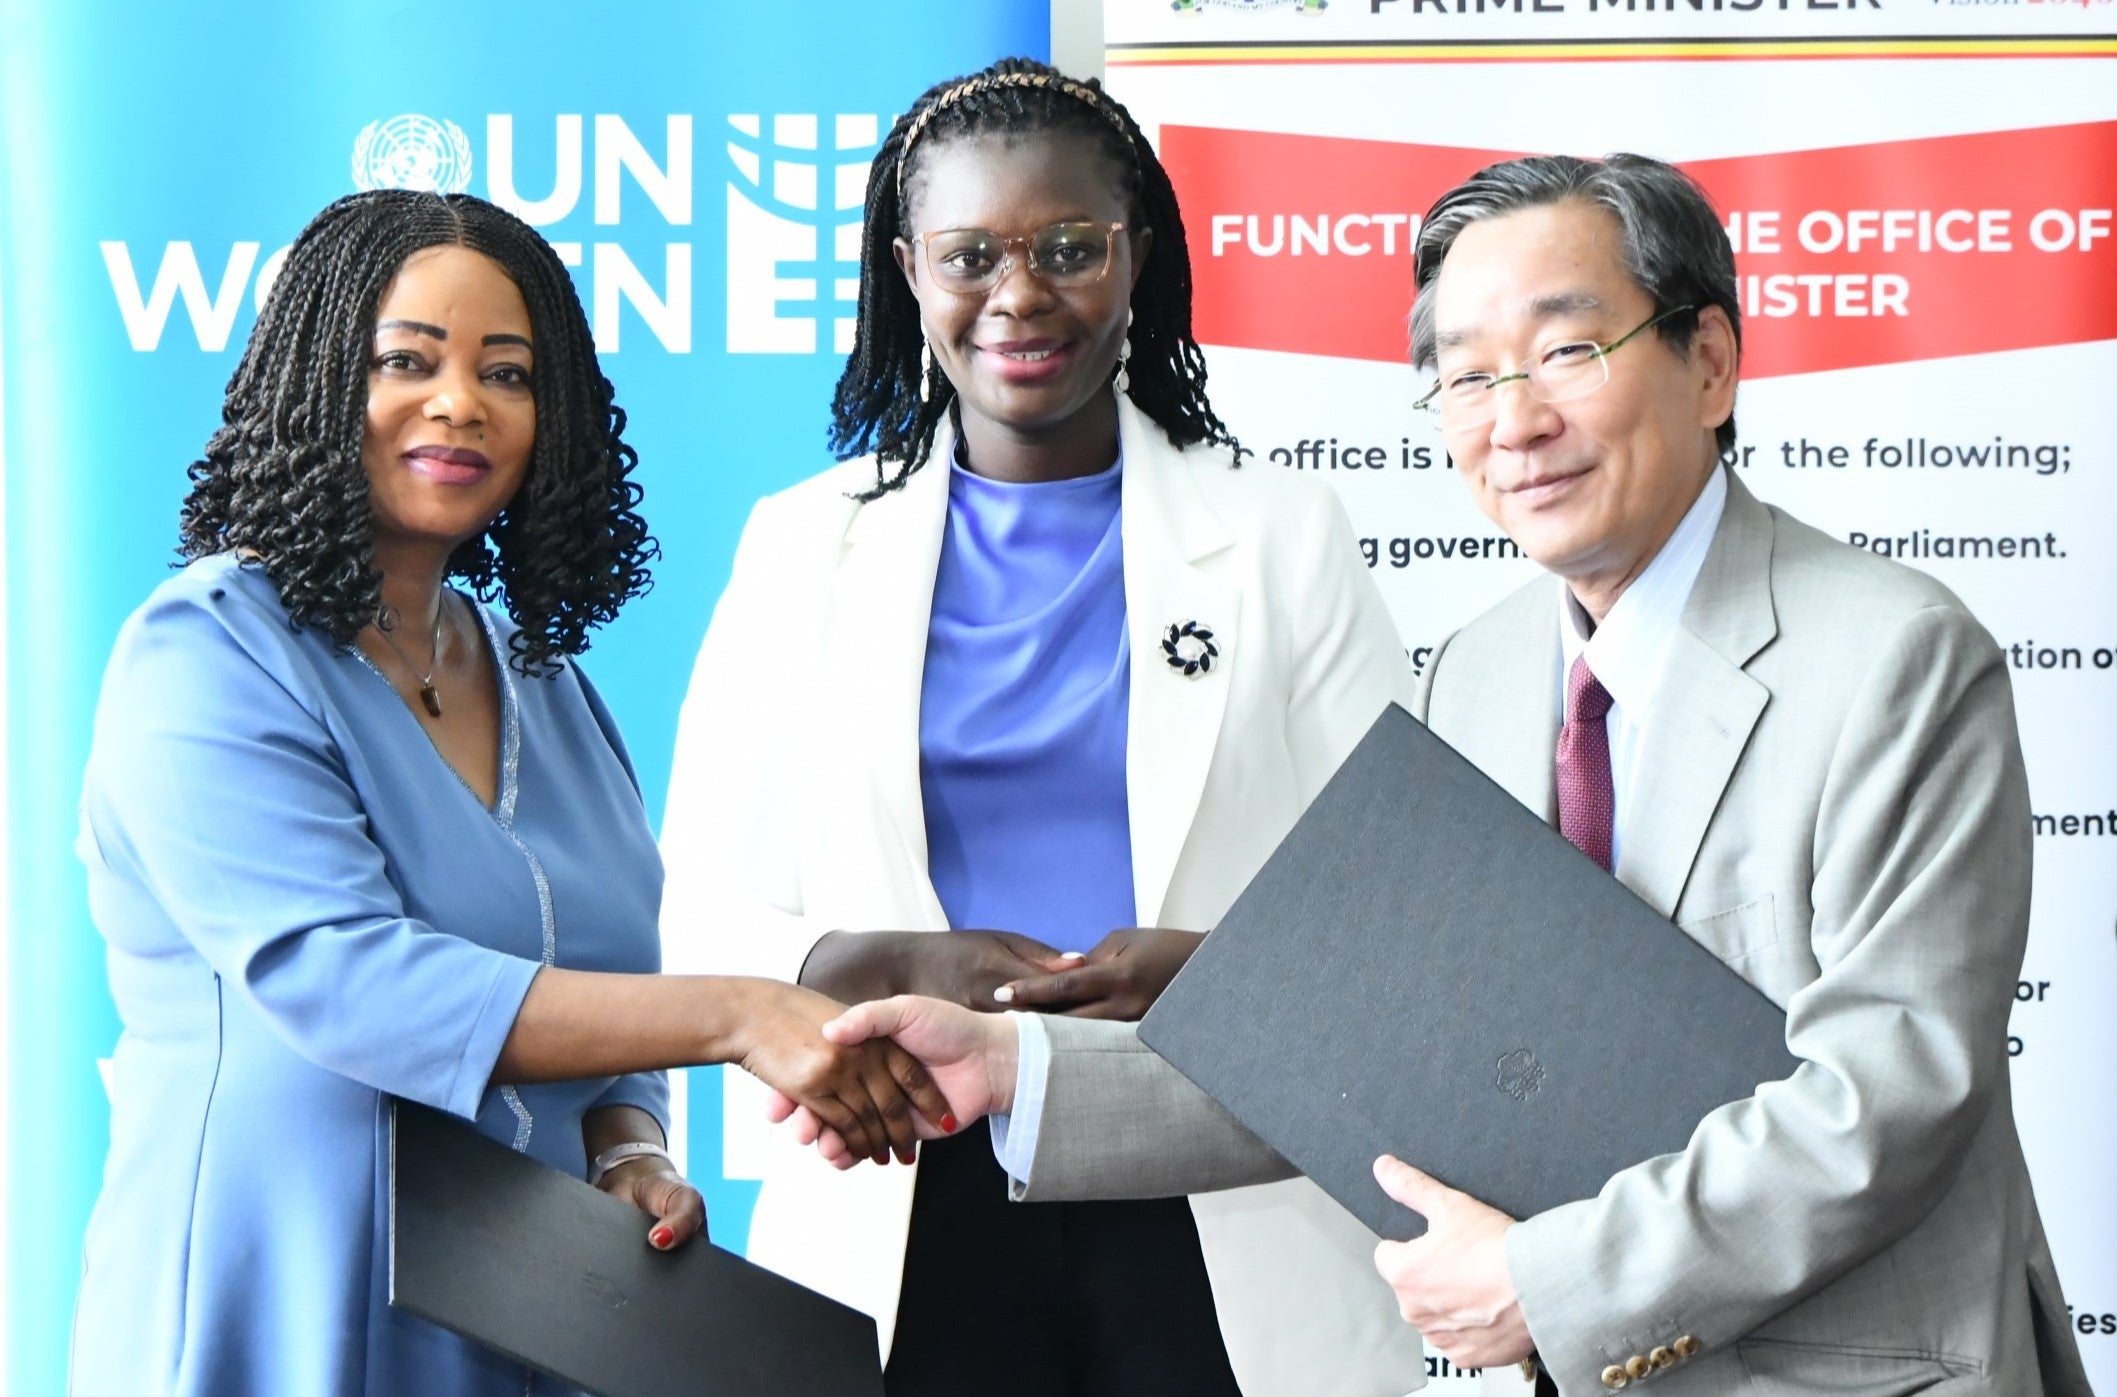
(1022, 714)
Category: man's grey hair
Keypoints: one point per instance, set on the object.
(1674, 245)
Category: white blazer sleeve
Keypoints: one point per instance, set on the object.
(1117, 1121)
(732, 901)
(1351, 663)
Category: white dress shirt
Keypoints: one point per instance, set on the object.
(1629, 654)
(1629, 651)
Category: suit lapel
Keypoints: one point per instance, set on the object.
(1494, 697)
(1170, 537)
(875, 654)
(1707, 707)
(1525, 699)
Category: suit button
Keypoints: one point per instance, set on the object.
(1662, 1357)
(1614, 1377)
(1687, 1345)
(1638, 1366)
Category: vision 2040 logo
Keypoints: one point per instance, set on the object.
(792, 252)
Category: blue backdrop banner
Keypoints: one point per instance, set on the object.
(701, 167)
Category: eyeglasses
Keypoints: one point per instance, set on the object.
(969, 260)
(1560, 374)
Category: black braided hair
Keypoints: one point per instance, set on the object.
(282, 478)
(877, 407)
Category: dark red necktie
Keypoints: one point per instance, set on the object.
(1587, 801)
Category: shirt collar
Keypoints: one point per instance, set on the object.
(1629, 651)
(1109, 474)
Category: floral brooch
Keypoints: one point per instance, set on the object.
(1189, 648)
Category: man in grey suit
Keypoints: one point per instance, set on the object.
(1803, 754)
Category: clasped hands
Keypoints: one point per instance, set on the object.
(992, 970)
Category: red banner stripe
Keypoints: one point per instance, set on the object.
(1852, 256)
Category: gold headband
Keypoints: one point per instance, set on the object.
(986, 82)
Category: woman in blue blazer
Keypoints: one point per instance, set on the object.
(353, 834)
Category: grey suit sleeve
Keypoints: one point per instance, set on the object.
(1121, 1123)
(1920, 910)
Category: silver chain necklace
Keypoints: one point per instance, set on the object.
(428, 694)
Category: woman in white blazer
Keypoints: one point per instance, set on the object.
(1047, 662)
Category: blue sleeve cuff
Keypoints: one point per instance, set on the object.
(649, 1091)
(511, 977)
(1014, 1135)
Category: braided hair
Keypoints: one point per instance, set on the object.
(283, 479)
(879, 406)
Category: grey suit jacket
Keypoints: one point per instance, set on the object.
(1833, 801)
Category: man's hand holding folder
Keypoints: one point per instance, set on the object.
(1452, 1284)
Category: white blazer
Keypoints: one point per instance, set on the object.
(795, 810)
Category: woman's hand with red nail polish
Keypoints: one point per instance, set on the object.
(652, 1185)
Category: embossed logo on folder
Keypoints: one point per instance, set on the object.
(1521, 1076)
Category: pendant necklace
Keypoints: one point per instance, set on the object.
(428, 694)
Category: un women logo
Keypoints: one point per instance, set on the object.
(799, 180)
(412, 152)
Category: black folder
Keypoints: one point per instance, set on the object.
(1424, 968)
(558, 1275)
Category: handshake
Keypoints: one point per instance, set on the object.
(969, 1057)
(935, 997)
(1453, 1283)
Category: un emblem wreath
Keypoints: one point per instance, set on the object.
(412, 152)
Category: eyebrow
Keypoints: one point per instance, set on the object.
(1542, 308)
(435, 332)
(1563, 303)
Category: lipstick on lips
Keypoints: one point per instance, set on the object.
(1028, 361)
(448, 465)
